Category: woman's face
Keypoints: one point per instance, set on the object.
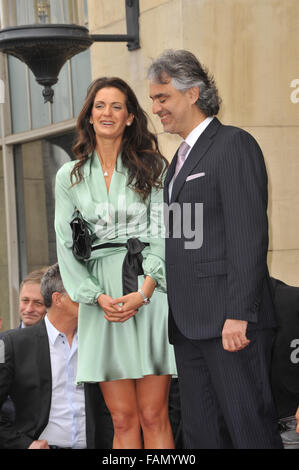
(109, 114)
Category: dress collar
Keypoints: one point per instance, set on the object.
(95, 162)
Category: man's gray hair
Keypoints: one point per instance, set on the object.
(51, 282)
(185, 72)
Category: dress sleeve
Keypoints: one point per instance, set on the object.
(154, 264)
(79, 283)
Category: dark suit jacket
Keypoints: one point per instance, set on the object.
(227, 277)
(26, 377)
(7, 410)
(285, 355)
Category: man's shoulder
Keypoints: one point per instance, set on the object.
(22, 333)
(230, 131)
(6, 332)
(233, 137)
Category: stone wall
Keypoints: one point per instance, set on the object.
(35, 206)
(252, 49)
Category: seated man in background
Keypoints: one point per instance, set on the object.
(38, 372)
(31, 310)
(285, 361)
(31, 304)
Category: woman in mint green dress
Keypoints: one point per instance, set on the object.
(116, 184)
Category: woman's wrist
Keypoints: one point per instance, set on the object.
(148, 286)
(99, 297)
(145, 299)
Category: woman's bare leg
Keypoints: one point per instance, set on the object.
(152, 398)
(120, 398)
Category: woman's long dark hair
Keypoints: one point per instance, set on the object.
(139, 149)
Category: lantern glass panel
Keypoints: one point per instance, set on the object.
(29, 12)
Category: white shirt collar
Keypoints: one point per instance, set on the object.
(53, 333)
(197, 131)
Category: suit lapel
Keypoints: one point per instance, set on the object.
(171, 169)
(169, 176)
(200, 148)
(45, 376)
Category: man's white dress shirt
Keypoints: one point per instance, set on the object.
(66, 426)
(190, 140)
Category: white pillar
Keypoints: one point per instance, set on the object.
(10, 201)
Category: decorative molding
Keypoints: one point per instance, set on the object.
(42, 132)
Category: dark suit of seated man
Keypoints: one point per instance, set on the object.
(38, 370)
(285, 361)
(31, 311)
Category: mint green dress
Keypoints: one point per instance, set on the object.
(112, 351)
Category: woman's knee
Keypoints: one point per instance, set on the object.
(153, 417)
(124, 420)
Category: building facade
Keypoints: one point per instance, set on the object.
(35, 140)
(250, 46)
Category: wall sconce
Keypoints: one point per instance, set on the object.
(46, 47)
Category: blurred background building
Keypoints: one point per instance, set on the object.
(250, 46)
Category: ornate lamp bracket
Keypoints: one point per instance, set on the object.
(46, 47)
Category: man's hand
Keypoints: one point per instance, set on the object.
(234, 335)
(39, 445)
(297, 419)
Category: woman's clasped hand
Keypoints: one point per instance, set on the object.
(121, 309)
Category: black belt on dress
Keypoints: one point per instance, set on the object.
(132, 264)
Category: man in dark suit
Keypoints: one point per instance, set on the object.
(31, 311)
(285, 361)
(221, 318)
(38, 369)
